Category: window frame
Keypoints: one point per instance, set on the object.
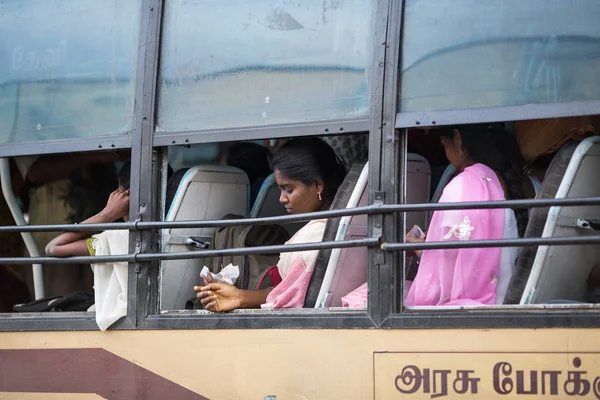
(502, 316)
(115, 141)
(146, 145)
(387, 152)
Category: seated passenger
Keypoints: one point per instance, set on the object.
(110, 278)
(490, 166)
(309, 174)
(253, 159)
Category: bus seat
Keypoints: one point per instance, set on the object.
(339, 201)
(537, 221)
(264, 197)
(449, 173)
(418, 183)
(560, 272)
(350, 268)
(331, 282)
(267, 204)
(204, 193)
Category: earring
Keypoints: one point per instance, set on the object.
(320, 199)
(462, 153)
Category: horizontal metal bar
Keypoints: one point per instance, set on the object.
(141, 257)
(71, 227)
(485, 317)
(321, 128)
(287, 248)
(315, 319)
(462, 244)
(56, 321)
(497, 114)
(282, 219)
(112, 142)
(130, 258)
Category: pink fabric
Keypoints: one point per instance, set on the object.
(462, 276)
(296, 268)
(356, 298)
(290, 293)
(359, 296)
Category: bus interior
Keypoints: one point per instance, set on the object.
(562, 155)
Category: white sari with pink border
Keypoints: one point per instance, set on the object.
(296, 268)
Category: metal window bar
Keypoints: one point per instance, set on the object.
(374, 209)
(367, 242)
(147, 257)
(142, 289)
(372, 242)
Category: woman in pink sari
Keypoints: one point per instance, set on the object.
(309, 174)
(491, 169)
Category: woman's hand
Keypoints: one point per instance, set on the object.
(117, 205)
(69, 244)
(411, 239)
(219, 297)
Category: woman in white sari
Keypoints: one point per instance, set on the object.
(308, 173)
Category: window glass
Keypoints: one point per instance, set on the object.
(473, 53)
(248, 63)
(67, 69)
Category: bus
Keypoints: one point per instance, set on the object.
(170, 85)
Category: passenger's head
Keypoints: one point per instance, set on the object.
(489, 144)
(251, 158)
(493, 146)
(308, 173)
(124, 176)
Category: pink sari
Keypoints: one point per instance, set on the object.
(296, 268)
(462, 276)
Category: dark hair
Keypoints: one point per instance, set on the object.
(89, 189)
(308, 160)
(124, 176)
(251, 158)
(497, 148)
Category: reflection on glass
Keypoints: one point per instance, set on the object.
(255, 62)
(67, 68)
(473, 53)
(193, 155)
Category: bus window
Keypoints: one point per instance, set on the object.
(214, 192)
(504, 58)
(71, 78)
(60, 189)
(490, 157)
(227, 64)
